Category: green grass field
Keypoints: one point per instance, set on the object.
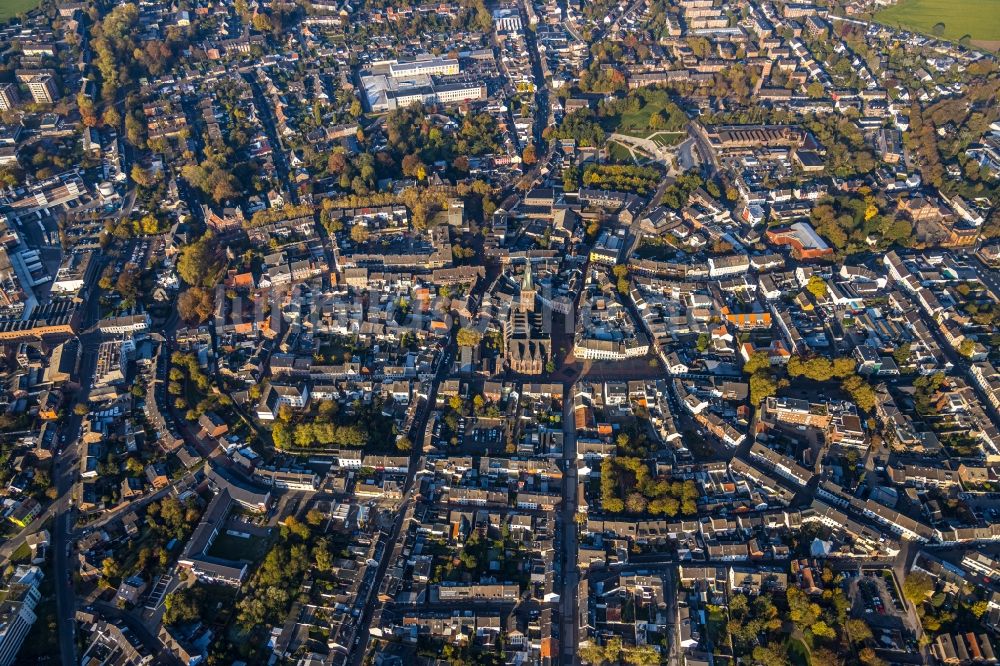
(636, 122)
(668, 139)
(616, 151)
(232, 547)
(9, 8)
(977, 19)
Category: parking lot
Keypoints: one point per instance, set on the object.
(473, 435)
(874, 600)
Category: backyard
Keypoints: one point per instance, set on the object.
(232, 547)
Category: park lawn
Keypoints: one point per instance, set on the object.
(668, 139)
(10, 8)
(636, 123)
(618, 152)
(979, 19)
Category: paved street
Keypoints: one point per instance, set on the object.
(570, 603)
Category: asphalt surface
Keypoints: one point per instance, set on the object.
(66, 473)
(571, 577)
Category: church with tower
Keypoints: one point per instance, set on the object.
(527, 346)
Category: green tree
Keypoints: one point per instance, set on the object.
(642, 655)
(979, 608)
(869, 658)
(110, 568)
(144, 177)
(468, 337)
(199, 263)
(592, 653)
(261, 23)
(322, 556)
(134, 466)
(801, 610)
(762, 385)
(825, 657)
(917, 586)
(823, 630)
(815, 90)
(858, 630)
(183, 605)
(613, 649)
(901, 354)
(758, 361)
(772, 655)
(281, 435)
(359, 233)
(861, 392)
(817, 287)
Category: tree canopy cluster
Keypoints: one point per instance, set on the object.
(212, 177)
(468, 337)
(417, 137)
(676, 195)
(630, 477)
(329, 427)
(849, 221)
(183, 605)
(195, 305)
(166, 520)
(820, 368)
(200, 262)
(273, 586)
(582, 126)
(763, 382)
(119, 57)
(613, 652)
(623, 178)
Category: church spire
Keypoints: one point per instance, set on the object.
(527, 282)
(527, 290)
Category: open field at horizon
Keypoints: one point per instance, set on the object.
(979, 19)
(9, 8)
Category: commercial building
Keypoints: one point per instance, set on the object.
(799, 412)
(288, 479)
(803, 239)
(73, 273)
(424, 66)
(385, 93)
(17, 611)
